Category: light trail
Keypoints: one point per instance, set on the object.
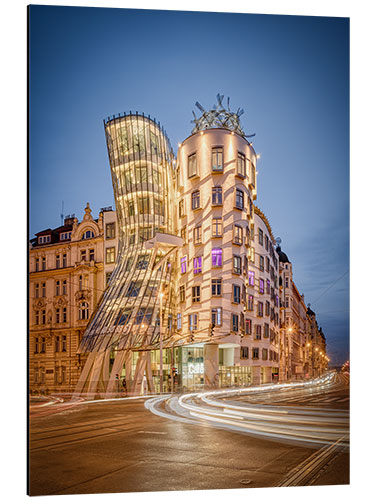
(226, 409)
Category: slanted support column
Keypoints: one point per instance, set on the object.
(211, 365)
(95, 375)
(256, 375)
(139, 374)
(117, 368)
(84, 375)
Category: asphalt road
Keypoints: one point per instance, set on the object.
(120, 446)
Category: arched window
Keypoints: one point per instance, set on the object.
(83, 310)
(87, 235)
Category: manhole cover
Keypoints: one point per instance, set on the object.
(246, 481)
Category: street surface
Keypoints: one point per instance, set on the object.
(281, 435)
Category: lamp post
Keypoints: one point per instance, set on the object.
(161, 342)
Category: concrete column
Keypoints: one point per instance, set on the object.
(256, 375)
(228, 356)
(211, 365)
(267, 378)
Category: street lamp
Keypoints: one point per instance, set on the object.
(161, 342)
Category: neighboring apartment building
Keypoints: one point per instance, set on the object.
(67, 278)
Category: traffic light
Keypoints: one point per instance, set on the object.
(117, 377)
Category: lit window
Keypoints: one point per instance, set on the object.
(217, 257)
(197, 265)
(237, 235)
(239, 199)
(216, 286)
(195, 200)
(217, 163)
(216, 316)
(217, 227)
(110, 254)
(261, 286)
(87, 235)
(196, 294)
(251, 278)
(192, 165)
(183, 264)
(241, 165)
(217, 196)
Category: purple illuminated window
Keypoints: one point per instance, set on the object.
(217, 257)
(183, 264)
(261, 286)
(251, 278)
(197, 265)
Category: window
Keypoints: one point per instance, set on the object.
(217, 257)
(216, 316)
(179, 321)
(132, 235)
(107, 278)
(244, 352)
(63, 343)
(43, 345)
(110, 231)
(193, 322)
(91, 254)
(217, 227)
(251, 278)
(268, 285)
(217, 163)
(266, 332)
(43, 263)
(57, 261)
(196, 294)
(241, 165)
(142, 262)
(110, 255)
(83, 254)
(264, 354)
(36, 344)
(239, 199)
(258, 332)
(36, 265)
(145, 233)
(195, 200)
(37, 317)
(83, 311)
(267, 264)
(197, 235)
(65, 236)
(182, 293)
(57, 287)
(252, 254)
(144, 205)
(236, 264)
(183, 234)
(261, 262)
(260, 237)
(217, 196)
(248, 326)
(197, 268)
(286, 282)
(287, 302)
(36, 290)
(181, 211)
(64, 287)
(57, 343)
(250, 302)
(64, 315)
(158, 207)
(260, 309)
(43, 289)
(87, 235)
(183, 264)
(131, 211)
(237, 235)
(58, 315)
(141, 174)
(44, 239)
(64, 260)
(216, 287)
(236, 294)
(234, 322)
(266, 242)
(261, 286)
(80, 282)
(250, 207)
(192, 165)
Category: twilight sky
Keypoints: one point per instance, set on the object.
(291, 76)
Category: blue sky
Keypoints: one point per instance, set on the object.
(289, 73)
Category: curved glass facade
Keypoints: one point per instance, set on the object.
(142, 167)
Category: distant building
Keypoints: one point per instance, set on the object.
(67, 278)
